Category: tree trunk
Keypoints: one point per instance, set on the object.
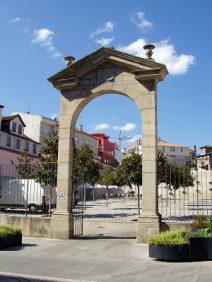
(107, 196)
(138, 200)
(93, 194)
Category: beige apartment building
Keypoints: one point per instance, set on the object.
(177, 153)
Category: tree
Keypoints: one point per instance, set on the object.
(132, 172)
(47, 168)
(107, 179)
(25, 168)
(85, 169)
(118, 178)
(172, 175)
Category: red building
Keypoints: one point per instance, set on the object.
(106, 149)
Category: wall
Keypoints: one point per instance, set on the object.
(32, 128)
(30, 226)
(82, 138)
(12, 147)
(9, 157)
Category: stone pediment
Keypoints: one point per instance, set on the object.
(143, 69)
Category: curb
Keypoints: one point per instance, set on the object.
(34, 278)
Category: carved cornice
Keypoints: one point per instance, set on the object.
(147, 68)
(66, 83)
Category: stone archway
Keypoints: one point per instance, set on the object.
(108, 71)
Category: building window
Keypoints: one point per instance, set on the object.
(18, 144)
(172, 149)
(14, 126)
(26, 148)
(20, 129)
(34, 149)
(8, 141)
(181, 149)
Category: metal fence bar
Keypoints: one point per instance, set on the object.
(179, 200)
(28, 189)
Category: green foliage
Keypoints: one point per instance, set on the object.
(131, 168)
(6, 230)
(45, 171)
(202, 222)
(169, 238)
(49, 153)
(119, 177)
(85, 168)
(107, 177)
(178, 237)
(169, 173)
(201, 233)
(26, 168)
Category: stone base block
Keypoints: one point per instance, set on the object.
(62, 226)
(148, 226)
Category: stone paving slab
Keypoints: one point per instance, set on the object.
(117, 210)
(96, 260)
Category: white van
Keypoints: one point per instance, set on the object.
(26, 194)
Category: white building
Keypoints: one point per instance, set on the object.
(83, 138)
(38, 127)
(13, 140)
(177, 153)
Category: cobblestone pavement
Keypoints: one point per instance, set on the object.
(118, 210)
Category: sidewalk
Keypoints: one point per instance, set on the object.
(95, 260)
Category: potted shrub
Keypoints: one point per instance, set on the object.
(200, 240)
(10, 237)
(169, 246)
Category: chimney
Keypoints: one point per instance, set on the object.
(1, 109)
(69, 60)
(81, 127)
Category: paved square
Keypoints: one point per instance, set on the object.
(97, 260)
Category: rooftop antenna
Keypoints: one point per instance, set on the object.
(29, 109)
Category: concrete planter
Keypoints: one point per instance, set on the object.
(169, 253)
(10, 241)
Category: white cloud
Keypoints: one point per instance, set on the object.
(107, 27)
(134, 138)
(127, 127)
(104, 41)
(164, 53)
(15, 20)
(44, 37)
(141, 21)
(54, 115)
(101, 126)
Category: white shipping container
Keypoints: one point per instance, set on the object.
(25, 193)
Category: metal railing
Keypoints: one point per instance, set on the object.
(181, 197)
(28, 189)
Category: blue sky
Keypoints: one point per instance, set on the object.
(37, 34)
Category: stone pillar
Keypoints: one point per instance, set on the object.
(62, 225)
(149, 221)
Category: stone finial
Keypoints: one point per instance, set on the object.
(149, 52)
(69, 60)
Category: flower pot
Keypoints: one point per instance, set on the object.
(169, 253)
(10, 241)
(200, 248)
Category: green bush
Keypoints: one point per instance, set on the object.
(199, 233)
(6, 230)
(169, 238)
(202, 222)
